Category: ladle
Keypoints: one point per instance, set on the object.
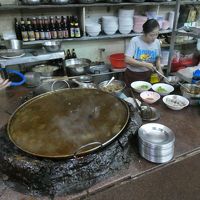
(110, 81)
(188, 90)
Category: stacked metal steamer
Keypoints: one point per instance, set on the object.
(156, 142)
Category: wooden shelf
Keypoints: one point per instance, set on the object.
(88, 38)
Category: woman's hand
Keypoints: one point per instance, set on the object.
(4, 83)
(149, 66)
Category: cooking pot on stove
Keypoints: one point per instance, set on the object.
(68, 122)
(77, 66)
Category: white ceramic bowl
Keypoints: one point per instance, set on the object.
(175, 102)
(93, 33)
(163, 88)
(150, 96)
(141, 86)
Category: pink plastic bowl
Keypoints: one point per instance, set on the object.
(150, 96)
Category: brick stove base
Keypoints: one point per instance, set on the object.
(57, 177)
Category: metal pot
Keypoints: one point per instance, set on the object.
(31, 2)
(13, 44)
(68, 122)
(77, 66)
(193, 96)
(98, 69)
(45, 70)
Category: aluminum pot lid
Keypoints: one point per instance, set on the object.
(156, 134)
(57, 124)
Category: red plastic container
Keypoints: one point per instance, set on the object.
(117, 60)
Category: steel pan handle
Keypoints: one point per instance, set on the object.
(86, 145)
(52, 86)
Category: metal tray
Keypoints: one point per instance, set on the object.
(11, 53)
(156, 135)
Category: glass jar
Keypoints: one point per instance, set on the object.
(154, 78)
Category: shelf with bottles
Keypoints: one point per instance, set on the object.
(89, 38)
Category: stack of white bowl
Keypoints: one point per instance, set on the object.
(93, 29)
(156, 142)
(125, 20)
(138, 23)
(110, 24)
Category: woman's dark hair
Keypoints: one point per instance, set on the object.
(150, 25)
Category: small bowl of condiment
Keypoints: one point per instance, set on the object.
(149, 96)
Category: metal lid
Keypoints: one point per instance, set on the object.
(156, 135)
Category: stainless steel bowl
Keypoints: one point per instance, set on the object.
(52, 46)
(172, 80)
(31, 2)
(116, 87)
(45, 70)
(193, 96)
(60, 1)
(86, 1)
(77, 66)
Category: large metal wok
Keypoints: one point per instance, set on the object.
(68, 122)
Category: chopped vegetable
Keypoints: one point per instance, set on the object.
(143, 87)
(160, 89)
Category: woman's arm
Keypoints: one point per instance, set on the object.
(158, 65)
(136, 63)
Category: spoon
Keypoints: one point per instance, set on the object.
(109, 81)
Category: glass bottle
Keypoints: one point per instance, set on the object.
(47, 32)
(68, 54)
(41, 29)
(24, 32)
(77, 32)
(18, 30)
(30, 30)
(154, 78)
(59, 28)
(52, 28)
(64, 27)
(35, 28)
(73, 54)
(72, 29)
